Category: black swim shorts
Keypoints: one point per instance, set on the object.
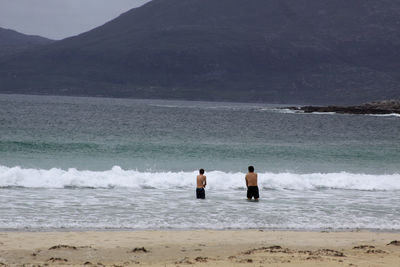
(252, 191)
(200, 193)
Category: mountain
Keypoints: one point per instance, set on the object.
(285, 51)
(12, 42)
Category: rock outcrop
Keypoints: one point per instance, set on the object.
(378, 107)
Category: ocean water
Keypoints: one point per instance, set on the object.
(99, 163)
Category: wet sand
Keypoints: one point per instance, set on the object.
(199, 248)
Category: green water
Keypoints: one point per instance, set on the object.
(150, 135)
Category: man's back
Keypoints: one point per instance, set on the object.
(251, 179)
(201, 179)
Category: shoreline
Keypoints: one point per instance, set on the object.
(199, 248)
(94, 230)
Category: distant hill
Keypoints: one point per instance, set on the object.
(286, 51)
(12, 42)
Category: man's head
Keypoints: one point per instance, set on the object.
(251, 169)
(201, 171)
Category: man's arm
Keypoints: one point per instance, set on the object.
(205, 181)
(247, 183)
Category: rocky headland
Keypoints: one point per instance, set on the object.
(378, 107)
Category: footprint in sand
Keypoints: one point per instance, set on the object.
(375, 251)
(394, 243)
(63, 246)
(142, 249)
(363, 247)
(57, 260)
(201, 259)
(185, 260)
(246, 261)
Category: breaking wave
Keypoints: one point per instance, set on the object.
(119, 178)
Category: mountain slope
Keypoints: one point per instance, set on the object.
(298, 51)
(12, 42)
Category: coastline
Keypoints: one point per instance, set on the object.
(199, 248)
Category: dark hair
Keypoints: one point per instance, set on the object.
(201, 171)
(251, 169)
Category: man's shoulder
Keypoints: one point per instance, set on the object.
(251, 174)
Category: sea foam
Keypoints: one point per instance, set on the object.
(386, 115)
(117, 177)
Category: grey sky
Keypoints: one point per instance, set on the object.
(57, 19)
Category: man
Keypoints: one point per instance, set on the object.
(201, 184)
(251, 183)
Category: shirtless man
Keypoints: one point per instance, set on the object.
(251, 183)
(201, 184)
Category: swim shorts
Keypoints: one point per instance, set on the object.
(252, 191)
(200, 193)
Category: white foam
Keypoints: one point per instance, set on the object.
(282, 110)
(291, 111)
(324, 113)
(386, 115)
(117, 177)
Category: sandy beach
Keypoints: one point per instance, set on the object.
(199, 248)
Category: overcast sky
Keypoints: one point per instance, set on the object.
(57, 19)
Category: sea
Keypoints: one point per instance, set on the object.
(80, 163)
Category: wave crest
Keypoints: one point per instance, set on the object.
(17, 177)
